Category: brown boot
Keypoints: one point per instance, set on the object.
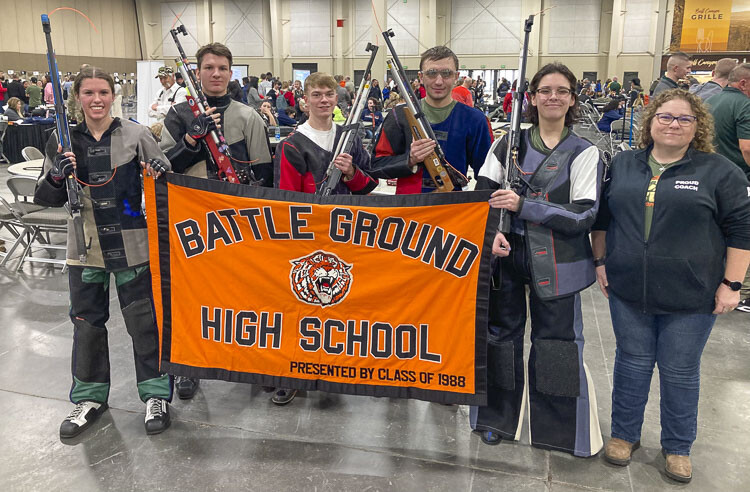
(678, 467)
(618, 451)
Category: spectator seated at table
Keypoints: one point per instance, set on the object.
(14, 111)
(286, 117)
(613, 111)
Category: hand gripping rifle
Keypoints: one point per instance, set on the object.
(512, 179)
(216, 145)
(351, 127)
(441, 172)
(63, 136)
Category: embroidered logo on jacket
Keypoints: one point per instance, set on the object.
(686, 185)
(320, 278)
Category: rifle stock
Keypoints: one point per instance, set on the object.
(436, 163)
(63, 137)
(432, 163)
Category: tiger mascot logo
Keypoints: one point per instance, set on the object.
(320, 278)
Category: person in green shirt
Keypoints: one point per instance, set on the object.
(731, 111)
(615, 86)
(34, 93)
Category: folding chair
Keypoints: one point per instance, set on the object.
(31, 153)
(23, 188)
(35, 226)
(36, 222)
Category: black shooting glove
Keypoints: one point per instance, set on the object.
(158, 166)
(62, 167)
(201, 126)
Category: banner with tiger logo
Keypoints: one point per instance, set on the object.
(365, 295)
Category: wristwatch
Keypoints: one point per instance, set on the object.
(735, 286)
(598, 261)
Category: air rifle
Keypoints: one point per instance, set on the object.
(445, 177)
(63, 137)
(215, 143)
(512, 176)
(351, 127)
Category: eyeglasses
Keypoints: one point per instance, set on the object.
(683, 120)
(445, 73)
(547, 91)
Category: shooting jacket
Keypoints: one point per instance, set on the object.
(113, 221)
(555, 212)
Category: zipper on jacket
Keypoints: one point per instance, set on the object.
(643, 234)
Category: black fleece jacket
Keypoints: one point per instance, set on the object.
(701, 207)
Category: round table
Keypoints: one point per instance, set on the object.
(31, 168)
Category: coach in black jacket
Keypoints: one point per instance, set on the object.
(677, 222)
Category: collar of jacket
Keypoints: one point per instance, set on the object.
(219, 102)
(642, 155)
(82, 128)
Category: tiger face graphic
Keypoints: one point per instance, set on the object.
(320, 278)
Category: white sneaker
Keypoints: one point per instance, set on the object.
(744, 305)
(157, 416)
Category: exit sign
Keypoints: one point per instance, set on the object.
(502, 66)
(482, 66)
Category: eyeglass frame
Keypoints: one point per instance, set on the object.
(443, 73)
(690, 117)
(555, 91)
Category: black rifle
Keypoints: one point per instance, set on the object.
(351, 127)
(442, 173)
(512, 176)
(63, 137)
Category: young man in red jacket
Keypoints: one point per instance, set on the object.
(302, 159)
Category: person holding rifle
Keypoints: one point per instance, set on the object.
(243, 127)
(244, 131)
(302, 159)
(548, 249)
(109, 152)
(463, 132)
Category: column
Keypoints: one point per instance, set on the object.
(276, 48)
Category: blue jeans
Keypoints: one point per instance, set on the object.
(675, 342)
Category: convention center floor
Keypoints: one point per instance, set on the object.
(231, 437)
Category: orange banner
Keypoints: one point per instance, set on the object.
(705, 25)
(378, 296)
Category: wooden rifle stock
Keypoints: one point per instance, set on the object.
(432, 162)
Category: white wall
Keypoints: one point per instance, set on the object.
(485, 32)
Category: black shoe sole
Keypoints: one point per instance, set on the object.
(152, 432)
(88, 424)
(285, 401)
(615, 461)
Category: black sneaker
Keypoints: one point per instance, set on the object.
(186, 387)
(744, 305)
(283, 396)
(491, 438)
(157, 416)
(83, 415)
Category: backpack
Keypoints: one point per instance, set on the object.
(281, 102)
